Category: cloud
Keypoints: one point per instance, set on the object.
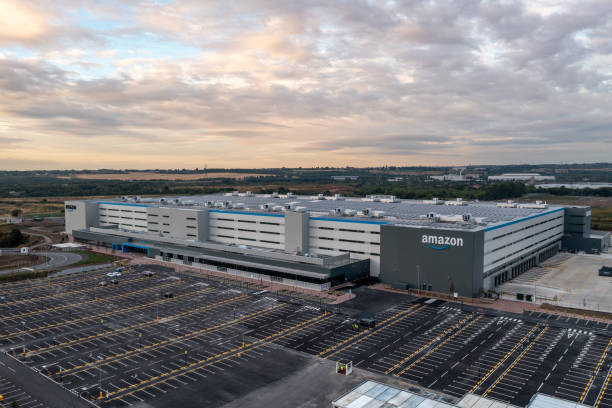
(22, 22)
(8, 141)
(270, 82)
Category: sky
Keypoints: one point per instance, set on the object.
(88, 84)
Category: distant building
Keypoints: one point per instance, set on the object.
(345, 178)
(460, 177)
(578, 186)
(455, 177)
(521, 177)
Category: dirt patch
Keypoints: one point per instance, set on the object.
(19, 261)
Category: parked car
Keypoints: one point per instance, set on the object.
(168, 295)
(114, 281)
(148, 273)
(103, 283)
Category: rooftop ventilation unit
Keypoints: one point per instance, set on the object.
(290, 195)
(434, 201)
(458, 201)
(378, 214)
(264, 206)
(125, 198)
(208, 204)
(467, 217)
(248, 194)
(507, 204)
(277, 208)
(274, 195)
(336, 211)
(349, 212)
(338, 197)
(239, 205)
(389, 199)
(300, 209)
(537, 204)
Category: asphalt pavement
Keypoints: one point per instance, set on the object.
(54, 260)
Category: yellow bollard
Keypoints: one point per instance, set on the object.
(100, 396)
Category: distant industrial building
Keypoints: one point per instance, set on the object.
(455, 177)
(460, 177)
(318, 241)
(345, 178)
(521, 177)
(577, 186)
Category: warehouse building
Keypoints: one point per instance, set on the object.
(318, 242)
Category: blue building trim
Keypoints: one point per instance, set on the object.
(131, 205)
(351, 221)
(522, 219)
(126, 245)
(248, 213)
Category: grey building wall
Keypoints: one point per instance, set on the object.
(577, 235)
(577, 220)
(183, 223)
(402, 250)
(80, 215)
(296, 231)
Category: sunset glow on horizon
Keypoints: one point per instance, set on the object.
(247, 84)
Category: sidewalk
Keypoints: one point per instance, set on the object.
(496, 304)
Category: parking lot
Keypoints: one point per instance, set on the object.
(151, 338)
(12, 393)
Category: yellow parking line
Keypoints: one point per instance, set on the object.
(365, 333)
(217, 358)
(63, 294)
(603, 389)
(595, 370)
(424, 346)
(155, 346)
(70, 305)
(53, 282)
(512, 350)
(67, 322)
(440, 345)
(520, 357)
(138, 325)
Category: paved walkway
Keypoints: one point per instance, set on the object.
(497, 304)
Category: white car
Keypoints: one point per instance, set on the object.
(113, 274)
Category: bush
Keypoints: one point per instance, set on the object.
(12, 239)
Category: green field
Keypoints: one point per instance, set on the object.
(91, 258)
(601, 218)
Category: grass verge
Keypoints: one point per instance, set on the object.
(91, 258)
